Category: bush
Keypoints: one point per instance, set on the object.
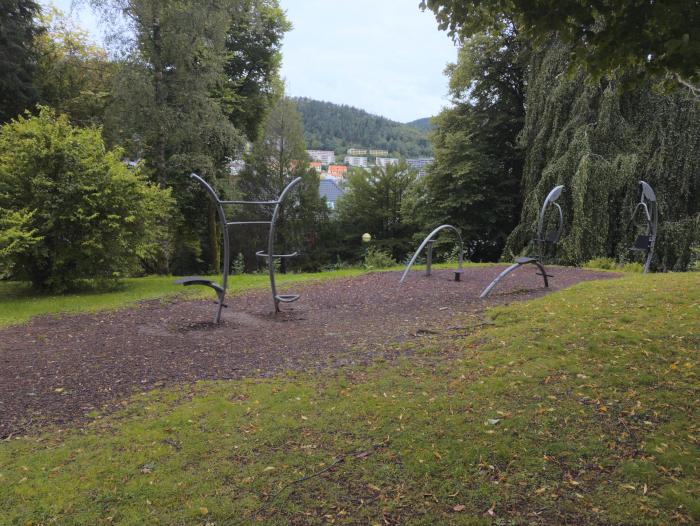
(71, 209)
(602, 263)
(376, 258)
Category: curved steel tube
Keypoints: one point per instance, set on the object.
(510, 269)
(227, 250)
(647, 201)
(270, 248)
(430, 238)
(551, 198)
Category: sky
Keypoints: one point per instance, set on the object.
(384, 56)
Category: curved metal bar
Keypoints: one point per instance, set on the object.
(271, 240)
(430, 238)
(510, 269)
(227, 249)
(651, 209)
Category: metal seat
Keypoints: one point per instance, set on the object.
(642, 243)
(262, 254)
(196, 280)
(525, 260)
(287, 298)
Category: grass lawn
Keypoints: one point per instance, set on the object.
(582, 407)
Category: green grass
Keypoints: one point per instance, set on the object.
(18, 303)
(582, 407)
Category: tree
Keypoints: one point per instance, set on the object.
(253, 46)
(474, 183)
(278, 157)
(373, 203)
(167, 109)
(599, 142)
(18, 28)
(73, 75)
(71, 209)
(659, 39)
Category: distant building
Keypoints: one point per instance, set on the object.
(386, 161)
(356, 161)
(378, 153)
(235, 167)
(331, 190)
(316, 166)
(322, 156)
(357, 151)
(339, 171)
(421, 165)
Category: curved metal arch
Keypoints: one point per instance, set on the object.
(221, 294)
(647, 202)
(550, 200)
(277, 298)
(428, 239)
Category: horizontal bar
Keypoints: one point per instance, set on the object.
(248, 202)
(261, 254)
(248, 223)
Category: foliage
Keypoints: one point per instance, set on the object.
(76, 211)
(598, 143)
(474, 183)
(167, 109)
(336, 127)
(253, 47)
(73, 75)
(373, 203)
(18, 28)
(424, 124)
(577, 408)
(277, 158)
(611, 264)
(377, 259)
(640, 39)
(16, 237)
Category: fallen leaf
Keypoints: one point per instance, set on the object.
(459, 507)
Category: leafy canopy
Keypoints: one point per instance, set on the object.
(659, 38)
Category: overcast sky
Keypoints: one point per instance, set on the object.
(384, 56)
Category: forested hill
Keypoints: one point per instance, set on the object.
(337, 127)
(421, 124)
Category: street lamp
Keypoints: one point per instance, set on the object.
(366, 237)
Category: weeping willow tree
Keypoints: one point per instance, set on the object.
(599, 143)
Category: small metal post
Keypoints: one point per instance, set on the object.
(429, 257)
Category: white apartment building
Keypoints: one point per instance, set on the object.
(354, 152)
(421, 165)
(386, 161)
(322, 156)
(378, 153)
(356, 161)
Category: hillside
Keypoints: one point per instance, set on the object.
(421, 124)
(338, 127)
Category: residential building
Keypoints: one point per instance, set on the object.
(386, 161)
(339, 171)
(356, 161)
(421, 165)
(316, 166)
(322, 156)
(378, 153)
(357, 151)
(331, 190)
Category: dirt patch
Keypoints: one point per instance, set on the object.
(55, 370)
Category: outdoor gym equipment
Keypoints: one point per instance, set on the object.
(270, 254)
(428, 241)
(645, 242)
(543, 240)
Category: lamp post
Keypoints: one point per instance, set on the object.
(366, 237)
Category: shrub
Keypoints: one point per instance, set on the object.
(601, 263)
(71, 209)
(376, 258)
(632, 267)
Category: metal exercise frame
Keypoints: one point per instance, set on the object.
(428, 241)
(225, 225)
(543, 239)
(647, 241)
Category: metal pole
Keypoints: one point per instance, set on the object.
(429, 258)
